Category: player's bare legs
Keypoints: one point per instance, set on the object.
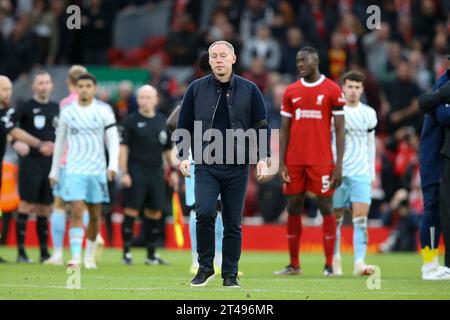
(295, 206)
(325, 204)
(76, 232)
(93, 229)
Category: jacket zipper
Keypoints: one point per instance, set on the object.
(214, 114)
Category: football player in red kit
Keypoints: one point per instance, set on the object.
(305, 152)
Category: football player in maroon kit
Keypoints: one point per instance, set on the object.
(305, 152)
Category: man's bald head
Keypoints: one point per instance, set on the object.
(147, 98)
(5, 90)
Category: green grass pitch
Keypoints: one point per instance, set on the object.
(400, 279)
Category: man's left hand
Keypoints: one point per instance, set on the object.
(111, 175)
(262, 169)
(336, 177)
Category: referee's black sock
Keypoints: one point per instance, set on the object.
(42, 231)
(127, 233)
(151, 232)
(21, 231)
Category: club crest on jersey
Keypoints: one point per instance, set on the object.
(319, 99)
(163, 137)
(39, 122)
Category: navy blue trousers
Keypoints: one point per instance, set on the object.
(230, 181)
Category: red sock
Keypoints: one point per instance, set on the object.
(294, 231)
(329, 237)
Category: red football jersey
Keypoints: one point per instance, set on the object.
(310, 107)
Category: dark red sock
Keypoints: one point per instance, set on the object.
(294, 231)
(329, 237)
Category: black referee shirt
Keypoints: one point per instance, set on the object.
(146, 138)
(39, 120)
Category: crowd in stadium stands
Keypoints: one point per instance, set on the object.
(401, 59)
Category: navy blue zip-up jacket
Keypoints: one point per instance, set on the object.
(246, 110)
(432, 139)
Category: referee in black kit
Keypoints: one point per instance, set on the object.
(222, 101)
(8, 127)
(37, 116)
(144, 143)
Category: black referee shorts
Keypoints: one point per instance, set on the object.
(147, 189)
(34, 185)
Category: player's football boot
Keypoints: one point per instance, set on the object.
(288, 270)
(155, 260)
(23, 258)
(437, 273)
(362, 269)
(74, 263)
(54, 261)
(328, 271)
(90, 263)
(127, 259)
(337, 266)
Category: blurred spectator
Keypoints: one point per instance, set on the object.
(263, 47)
(96, 36)
(337, 55)
(45, 27)
(439, 64)
(274, 100)
(126, 102)
(182, 9)
(403, 221)
(232, 10)
(375, 46)
(254, 14)
(317, 18)
(400, 99)
(257, 73)
(425, 18)
(294, 41)
(6, 18)
(181, 44)
(19, 50)
(166, 86)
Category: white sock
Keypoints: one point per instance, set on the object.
(57, 252)
(90, 249)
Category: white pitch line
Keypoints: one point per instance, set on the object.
(370, 292)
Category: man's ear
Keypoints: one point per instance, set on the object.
(234, 59)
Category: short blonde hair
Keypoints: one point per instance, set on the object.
(229, 45)
(74, 72)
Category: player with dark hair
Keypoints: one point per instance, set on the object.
(306, 158)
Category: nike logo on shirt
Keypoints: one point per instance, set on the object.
(36, 110)
(294, 100)
(141, 124)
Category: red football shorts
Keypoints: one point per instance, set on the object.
(315, 179)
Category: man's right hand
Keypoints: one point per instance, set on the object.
(21, 148)
(126, 180)
(46, 148)
(185, 168)
(285, 174)
(53, 181)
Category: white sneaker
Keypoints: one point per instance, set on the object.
(54, 260)
(90, 263)
(439, 273)
(337, 266)
(362, 269)
(100, 245)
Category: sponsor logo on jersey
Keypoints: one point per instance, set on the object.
(39, 122)
(307, 114)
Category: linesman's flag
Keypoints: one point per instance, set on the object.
(178, 223)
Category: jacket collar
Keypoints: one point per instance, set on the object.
(217, 82)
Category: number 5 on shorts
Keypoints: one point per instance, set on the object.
(325, 183)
